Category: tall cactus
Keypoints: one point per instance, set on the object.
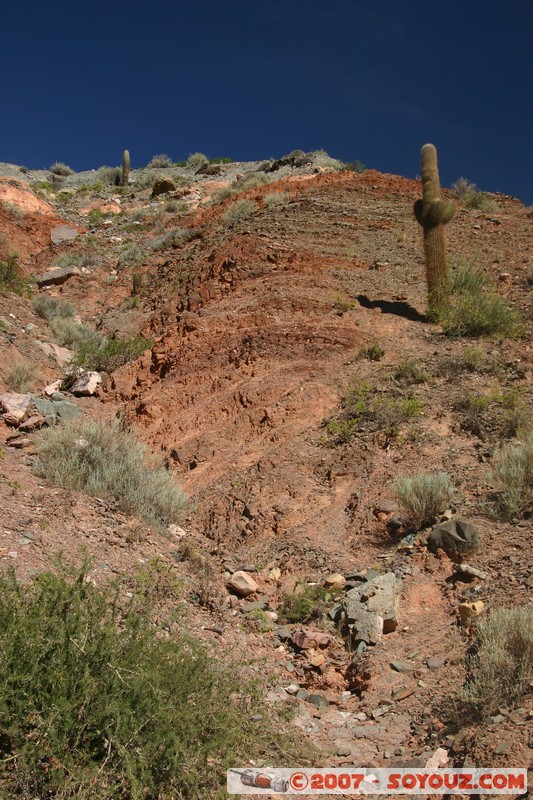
(125, 168)
(433, 214)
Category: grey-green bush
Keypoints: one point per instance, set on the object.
(500, 668)
(513, 471)
(105, 460)
(239, 210)
(423, 497)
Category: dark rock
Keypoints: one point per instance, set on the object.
(319, 701)
(396, 522)
(456, 538)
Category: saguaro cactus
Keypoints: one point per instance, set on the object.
(125, 168)
(433, 214)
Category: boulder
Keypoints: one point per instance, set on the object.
(86, 384)
(15, 406)
(35, 421)
(468, 611)
(456, 537)
(63, 233)
(62, 355)
(306, 639)
(55, 277)
(370, 608)
(335, 581)
(163, 186)
(242, 584)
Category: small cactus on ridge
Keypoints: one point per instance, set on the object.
(125, 168)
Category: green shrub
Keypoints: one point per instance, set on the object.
(21, 376)
(241, 209)
(353, 166)
(423, 497)
(410, 372)
(42, 186)
(499, 412)
(96, 702)
(243, 184)
(221, 160)
(365, 409)
(374, 352)
(104, 460)
(11, 279)
(107, 355)
(475, 310)
(61, 169)
(500, 665)
(513, 472)
(196, 160)
(305, 603)
(161, 161)
(96, 216)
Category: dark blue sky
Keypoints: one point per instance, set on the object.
(369, 80)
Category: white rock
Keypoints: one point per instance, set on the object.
(86, 384)
(242, 583)
(52, 388)
(15, 406)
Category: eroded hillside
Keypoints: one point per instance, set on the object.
(261, 327)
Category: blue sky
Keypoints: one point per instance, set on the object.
(364, 80)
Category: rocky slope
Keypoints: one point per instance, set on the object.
(259, 328)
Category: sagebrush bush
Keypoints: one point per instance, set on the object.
(196, 160)
(48, 307)
(130, 255)
(241, 209)
(72, 334)
(276, 199)
(500, 667)
(513, 471)
(475, 310)
(17, 213)
(463, 186)
(161, 161)
(98, 703)
(61, 169)
(107, 355)
(105, 460)
(423, 497)
(243, 184)
(21, 376)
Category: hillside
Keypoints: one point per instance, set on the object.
(264, 329)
